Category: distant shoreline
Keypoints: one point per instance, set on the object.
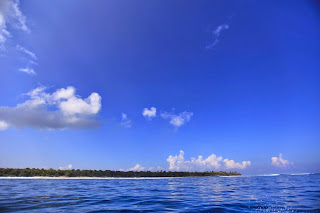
(139, 178)
(27, 172)
(103, 178)
(86, 178)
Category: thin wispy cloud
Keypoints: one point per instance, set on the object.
(216, 34)
(59, 110)
(27, 52)
(11, 15)
(125, 122)
(12, 18)
(177, 120)
(280, 162)
(30, 56)
(29, 71)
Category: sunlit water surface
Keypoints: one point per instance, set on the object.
(198, 194)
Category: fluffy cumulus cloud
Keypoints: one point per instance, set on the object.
(59, 110)
(178, 163)
(211, 163)
(125, 122)
(230, 164)
(75, 105)
(149, 113)
(216, 34)
(10, 15)
(280, 162)
(63, 93)
(177, 120)
(67, 167)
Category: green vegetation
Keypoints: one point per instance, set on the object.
(106, 173)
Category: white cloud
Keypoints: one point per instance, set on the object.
(67, 167)
(178, 163)
(3, 125)
(155, 169)
(74, 105)
(177, 120)
(39, 94)
(64, 93)
(11, 15)
(16, 16)
(30, 62)
(125, 122)
(230, 164)
(3, 34)
(220, 28)
(138, 167)
(38, 111)
(27, 52)
(29, 71)
(280, 162)
(124, 116)
(4, 6)
(216, 34)
(211, 163)
(149, 113)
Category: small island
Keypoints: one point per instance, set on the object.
(27, 172)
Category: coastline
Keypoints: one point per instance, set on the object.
(95, 178)
(142, 178)
(102, 174)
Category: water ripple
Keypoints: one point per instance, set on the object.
(204, 194)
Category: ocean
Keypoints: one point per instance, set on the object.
(274, 193)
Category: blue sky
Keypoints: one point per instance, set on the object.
(235, 82)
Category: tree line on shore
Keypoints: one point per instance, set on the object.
(27, 172)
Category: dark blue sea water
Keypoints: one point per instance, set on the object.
(288, 193)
